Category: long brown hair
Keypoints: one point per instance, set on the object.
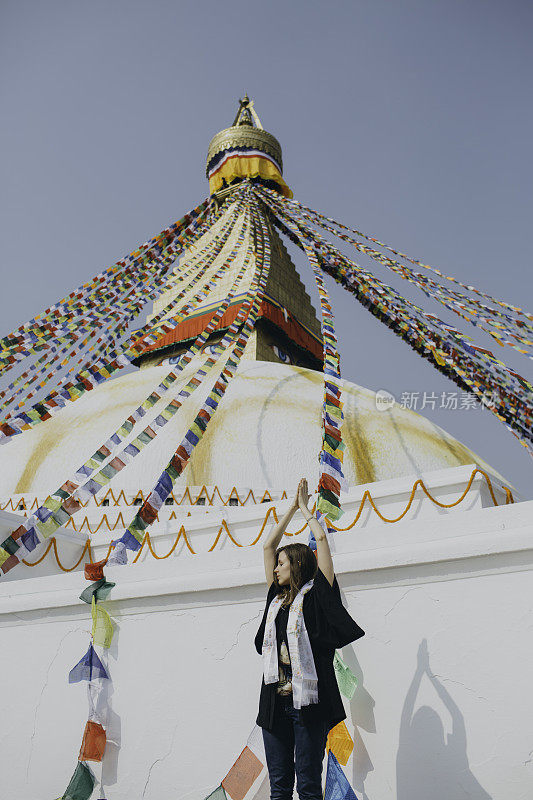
(303, 567)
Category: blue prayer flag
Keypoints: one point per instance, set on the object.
(88, 668)
(30, 540)
(337, 786)
(129, 541)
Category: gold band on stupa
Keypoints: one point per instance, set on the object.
(244, 136)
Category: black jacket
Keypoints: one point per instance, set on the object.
(330, 627)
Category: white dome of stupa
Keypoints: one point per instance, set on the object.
(267, 426)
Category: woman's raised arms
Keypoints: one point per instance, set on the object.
(323, 553)
(274, 538)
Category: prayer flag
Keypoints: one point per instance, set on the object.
(256, 745)
(346, 680)
(99, 590)
(340, 743)
(88, 668)
(97, 696)
(242, 774)
(337, 786)
(81, 784)
(102, 631)
(93, 742)
(95, 572)
(118, 554)
(218, 794)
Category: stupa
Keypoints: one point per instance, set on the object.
(274, 405)
(420, 508)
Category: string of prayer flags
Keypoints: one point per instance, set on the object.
(91, 668)
(346, 680)
(511, 308)
(505, 393)
(134, 535)
(60, 506)
(143, 254)
(64, 502)
(340, 743)
(93, 375)
(338, 260)
(501, 318)
(337, 785)
(331, 477)
(101, 307)
(153, 330)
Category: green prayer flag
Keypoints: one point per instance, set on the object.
(108, 471)
(99, 590)
(195, 428)
(53, 503)
(81, 784)
(10, 545)
(218, 794)
(346, 680)
(327, 508)
(61, 516)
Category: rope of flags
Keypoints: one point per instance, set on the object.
(88, 378)
(144, 252)
(249, 769)
(163, 323)
(69, 498)
(506, 393)
(156, 288)
(248, 313)
(55, 359)
(498, 324)
(85, 305)
(331, 479)
(83, 334)
(527, 323)
(93, 668)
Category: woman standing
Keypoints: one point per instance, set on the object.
(303, 624)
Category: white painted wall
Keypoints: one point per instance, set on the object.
(186, 675)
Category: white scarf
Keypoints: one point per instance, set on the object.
(304, 677)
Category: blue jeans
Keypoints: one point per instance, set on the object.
(294, 747)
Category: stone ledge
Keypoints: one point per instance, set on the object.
(477, 546)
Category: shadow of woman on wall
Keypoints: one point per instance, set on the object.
(427, 765)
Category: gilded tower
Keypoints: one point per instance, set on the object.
(287, 329)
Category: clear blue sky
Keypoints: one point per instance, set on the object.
(410, 120)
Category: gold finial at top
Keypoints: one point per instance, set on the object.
(245, 131)
(246, 115)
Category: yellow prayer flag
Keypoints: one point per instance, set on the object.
(340, 743)
(437, 357)
(102, 625)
